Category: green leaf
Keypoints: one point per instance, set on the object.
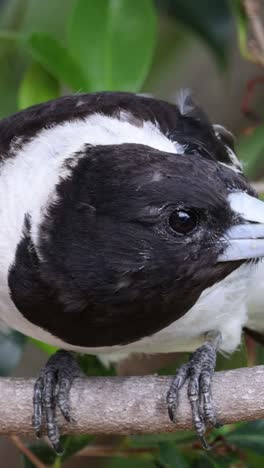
(55, 58)
(71, 445)
(37, 86)
(242, 26)
(253, 460)
(44, 346)
(259, 354)
(204, 460)
(113, 41)
(92, 366)
(210, 20)
(12, 66)
(47, 16)
(43, 451)
(118, 462)
(250, 150)
(11, 348)
(171, 457)
(249, 436)
(152, 440)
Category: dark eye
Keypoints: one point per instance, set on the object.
(183, 221)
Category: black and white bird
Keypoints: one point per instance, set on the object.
(127, 225)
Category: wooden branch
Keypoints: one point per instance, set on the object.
(134, 405)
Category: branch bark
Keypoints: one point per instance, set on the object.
(134, 405)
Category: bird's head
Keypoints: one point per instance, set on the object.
(132, 225)
(133, 235)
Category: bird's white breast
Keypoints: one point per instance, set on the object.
(221, 307)
(255, 301)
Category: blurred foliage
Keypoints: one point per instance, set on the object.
(11, 348)
(242, 26)
(59, 46)
(37, 85)
(209, 20)
(46, 454)
(250, 149)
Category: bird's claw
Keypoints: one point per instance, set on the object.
(199, 370)
(51, 390)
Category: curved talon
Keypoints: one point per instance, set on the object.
(37, 407)
(173, 394)
(199, 370)
(52, 390)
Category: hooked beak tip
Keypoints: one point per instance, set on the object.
(245, 241)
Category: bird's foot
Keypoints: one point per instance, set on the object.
(199, 370)
(52, 390)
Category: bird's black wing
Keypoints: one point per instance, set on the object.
(185, 123)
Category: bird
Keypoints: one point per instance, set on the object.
(127, 225)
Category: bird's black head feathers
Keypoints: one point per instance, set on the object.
(110, 267)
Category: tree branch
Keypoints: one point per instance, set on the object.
(134, 405)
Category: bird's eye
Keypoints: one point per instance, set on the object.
(183, 221)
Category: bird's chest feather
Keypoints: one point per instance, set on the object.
(221, 307)
(256, 299)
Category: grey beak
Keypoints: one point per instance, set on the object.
(245, 241)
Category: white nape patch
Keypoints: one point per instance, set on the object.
(248, 207)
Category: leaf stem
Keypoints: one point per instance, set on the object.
(27, 452)
(57, 463)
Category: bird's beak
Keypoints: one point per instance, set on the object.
(245, 240)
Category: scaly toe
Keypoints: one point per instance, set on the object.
(52, 390)
(173, 393)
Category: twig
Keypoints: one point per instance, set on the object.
(252, 8)
(246, 102)
(108, 451)
(26, 451)
(134, 405)
(256, 45)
